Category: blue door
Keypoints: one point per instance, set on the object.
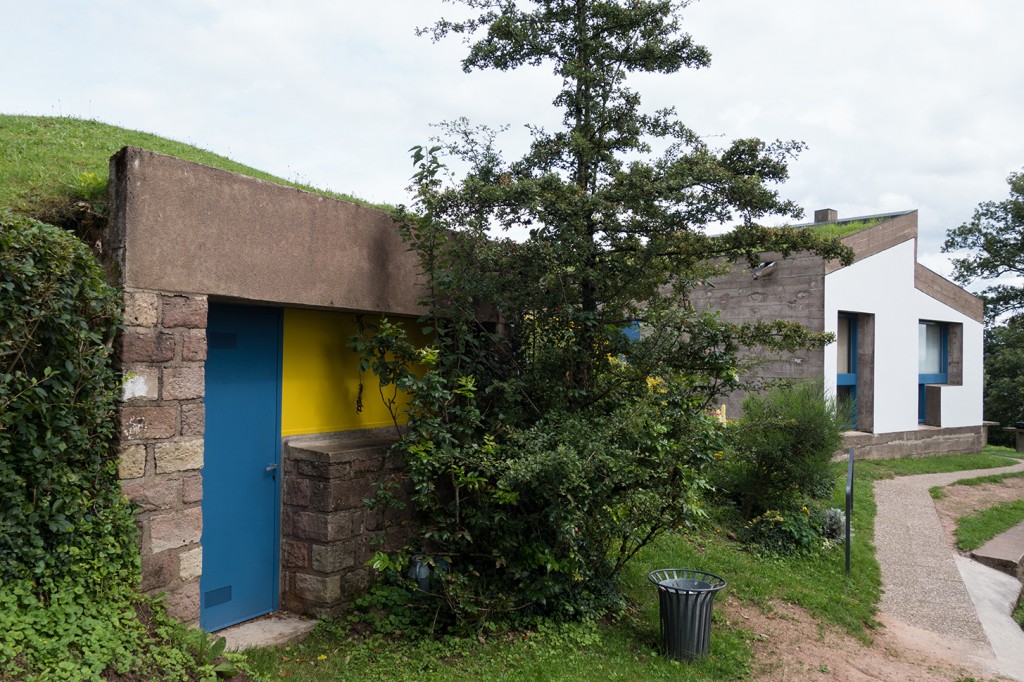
(241, 533)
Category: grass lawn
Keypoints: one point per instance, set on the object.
(620, 649)
(974, 530)
(991, 457)
(842, 229)
(626, 648)
(995, 478)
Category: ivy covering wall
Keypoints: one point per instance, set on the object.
(69, 564)
(61, 510)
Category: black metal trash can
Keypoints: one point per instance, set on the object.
(685, 598)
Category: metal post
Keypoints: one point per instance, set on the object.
(849, 509)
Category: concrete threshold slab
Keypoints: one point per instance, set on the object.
(994, 595)
(273, 629)
(1004, 552)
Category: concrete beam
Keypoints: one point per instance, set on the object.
(181, 227)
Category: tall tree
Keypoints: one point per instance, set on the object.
(995, 239)
(1004, 377)
(616, 199)
(545, 456)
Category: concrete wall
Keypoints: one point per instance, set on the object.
(179, 227)
(320, 378)
(880, 237)
(794, 291)
(920, 442)
(892, 293)
(941, 289)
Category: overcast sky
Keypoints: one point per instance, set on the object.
(903, 104)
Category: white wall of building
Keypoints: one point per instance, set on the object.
(883, 285)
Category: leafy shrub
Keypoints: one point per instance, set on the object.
(782, 448)
(73, 636)
(67, 637)
(802, 530)
(781, 534)
(540, 518)
(69, 563)
(393, 607)
(62, 514)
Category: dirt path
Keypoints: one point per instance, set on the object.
(961, 500)
(791, 645)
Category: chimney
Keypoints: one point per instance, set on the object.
(826, 215)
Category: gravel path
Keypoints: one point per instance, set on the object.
(922, 581)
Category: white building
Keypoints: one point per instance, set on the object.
(908, 345)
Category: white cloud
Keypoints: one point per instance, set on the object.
(910, 104)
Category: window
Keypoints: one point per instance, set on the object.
(846, 365)
(932, 362)
(632, 330)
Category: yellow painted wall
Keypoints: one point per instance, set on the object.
(320, 376)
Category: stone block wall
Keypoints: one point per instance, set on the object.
(327, 531)
(161, 422)
(234, 252)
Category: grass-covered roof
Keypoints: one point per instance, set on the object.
(49, 164)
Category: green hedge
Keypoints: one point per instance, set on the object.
(69, 563)
(62, 514)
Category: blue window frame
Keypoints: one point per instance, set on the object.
(846, 365)
(932, 360)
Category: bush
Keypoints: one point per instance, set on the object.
(833, 525)
(62, 514)
(69, 562)
(783, 533)
(801, 530)
(540, 518)
(782, 447)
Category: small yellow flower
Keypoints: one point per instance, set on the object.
(654, 385)
(719, 454)
(322, 657)
(805, 510)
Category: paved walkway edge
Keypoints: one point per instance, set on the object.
(273, 629)
(927, 585)
(994, 594)
(1004, 552)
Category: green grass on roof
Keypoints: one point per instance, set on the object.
(841, 229)
(47, 163)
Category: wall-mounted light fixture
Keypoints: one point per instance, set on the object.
(764, 269)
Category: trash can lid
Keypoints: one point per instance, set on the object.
(688, 585)
(686, 580)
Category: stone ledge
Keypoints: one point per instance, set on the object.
(921, 442)
(1004, 552)
(339, 451)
